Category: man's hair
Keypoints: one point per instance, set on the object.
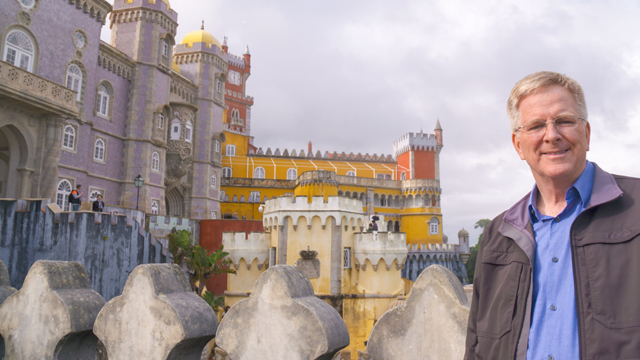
(78, 186)
(532, 83)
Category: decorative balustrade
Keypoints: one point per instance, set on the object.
(25, 86)
(244, 182)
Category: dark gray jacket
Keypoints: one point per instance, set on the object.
(605, 244)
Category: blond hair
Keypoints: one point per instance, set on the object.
(532, 83)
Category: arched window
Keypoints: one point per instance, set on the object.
(103, 101)
(19, 50)
(292, 174)
(214, 181)
(433, 226)
(98, 150)
(235, 117)
(93, 195)
(165, 48)
(62, 195)
(403, 176)
(226, 172)
(155, 161)
(175, 129)
(258, 173)
(188, 132)
(217, 145)
(160, 121)
(74, 79)
(230, 150)
(380, 176)
(69, 137)
(351, 173)
(214, 215)
(154, 207)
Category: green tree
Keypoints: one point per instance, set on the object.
(473, 253)
(201, 265)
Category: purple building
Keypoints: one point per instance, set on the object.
(76, 110)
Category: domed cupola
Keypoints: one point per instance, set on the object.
(201, 36)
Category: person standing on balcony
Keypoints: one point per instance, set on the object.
(74, 198)
(557, 275)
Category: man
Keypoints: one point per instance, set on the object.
(74, 198)
(558, 275)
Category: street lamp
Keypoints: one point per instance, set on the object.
(138, 182)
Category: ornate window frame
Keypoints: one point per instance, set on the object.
(22, 35)
(434, 226)
(104, 149)
(155, 202)
(102, 94)
(214, 180)
(73, 137)
(292, 174)
(74, 79)
(62, 195)
(155, 161)
(93, 193)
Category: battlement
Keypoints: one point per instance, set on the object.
(237, 61)
(135, 5)
(238, 96)
(249, 247)
(300, 203)
(411, 141)
(375, 246)
(326, 156)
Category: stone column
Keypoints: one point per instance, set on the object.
(53, 143)
(24, 184)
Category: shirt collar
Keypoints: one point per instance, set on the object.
(584, 186)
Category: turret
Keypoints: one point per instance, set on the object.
(247, 59)
(438, 132)
(463, 247)
(225, 47)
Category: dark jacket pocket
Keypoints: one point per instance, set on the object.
(501, 278)
(613, 270)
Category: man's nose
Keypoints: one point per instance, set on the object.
(551, 133)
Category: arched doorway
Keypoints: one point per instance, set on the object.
(175, 203)
(14, 154)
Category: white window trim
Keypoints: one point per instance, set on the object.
(175, 135)
(73, 137)
(292, 171)
(214, 181)
(20, 51)
(218, 147)
(351, 173)
(161, 121)
(227, 171)
(165, 48)
(230, 150)
(93, 194)
(259, 173)
(96, 150)
(434, 226)
(188, 132)
(155, 161)
(75, 77)
(64, 203)
(157, 207)
(104, 100)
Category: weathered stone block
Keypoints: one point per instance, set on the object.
(51, 317)
(157, 317)
(282, 319)
(5, 286)
(432, 323)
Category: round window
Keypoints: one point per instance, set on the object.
(79, 40)
(28, 3)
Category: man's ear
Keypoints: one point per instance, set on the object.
(516, 144)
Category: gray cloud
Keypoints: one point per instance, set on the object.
(354, 76)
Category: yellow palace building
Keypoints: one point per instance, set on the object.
(403, 188)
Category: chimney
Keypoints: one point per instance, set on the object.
(310, 148)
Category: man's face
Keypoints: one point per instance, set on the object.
(552, 156)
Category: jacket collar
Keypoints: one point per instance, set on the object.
(517, 223)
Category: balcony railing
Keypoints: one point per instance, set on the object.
(37, 91)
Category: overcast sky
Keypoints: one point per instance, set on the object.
(354, 76)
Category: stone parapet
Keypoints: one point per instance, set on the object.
(157, 317)
(52, 315)
(37, 91)
(431, 324)
(338, 207)
(254, 246)
(375, 246)
(281, 319)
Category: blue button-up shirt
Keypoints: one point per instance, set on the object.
(554, 322)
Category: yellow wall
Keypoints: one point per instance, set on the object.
(242, 281)
(316, 189)
(416, 226)
(360, 315)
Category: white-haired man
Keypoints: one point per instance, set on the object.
(558, 275)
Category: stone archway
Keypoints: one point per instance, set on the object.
(175, 203)
(14, 158)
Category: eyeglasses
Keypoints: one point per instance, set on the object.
(562, 123)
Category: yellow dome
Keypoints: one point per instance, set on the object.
(201, 36)
(175, 67)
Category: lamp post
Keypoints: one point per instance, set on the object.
(138, 182)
